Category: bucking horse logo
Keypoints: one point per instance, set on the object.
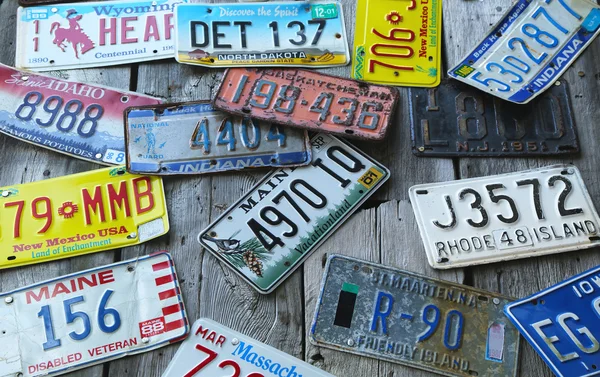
(73, 34)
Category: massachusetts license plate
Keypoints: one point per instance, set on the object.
(91, 317)
(307, 99)
(372, 310)
(94, 34)
(262, 34)
(504, 217)
(530, 48)
(195, 138)
(79, 214)
(398, 42)
(270, 231)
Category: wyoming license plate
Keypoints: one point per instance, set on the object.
(90, 317)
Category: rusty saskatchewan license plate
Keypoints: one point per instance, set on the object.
(372, 310)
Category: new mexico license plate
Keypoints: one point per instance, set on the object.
(399, 316)
(504, 217)
(91, 317)
(269, 232)
(530, 48)
(79, 214)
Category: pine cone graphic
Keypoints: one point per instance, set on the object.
(253, 262)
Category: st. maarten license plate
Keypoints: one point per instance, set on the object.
(79, 214)
(270, 231)
(372, 310)
(90, 317)
(195, 138)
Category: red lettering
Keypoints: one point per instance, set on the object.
(60, 288)
(94, 204)
(43, 294)
(119, 199)
(106, 277)
(125, 29)
(201, 331)
(151, 24)
(168, 25)
(112, 30)
(140, 194)
(83, 279)
(220, 341)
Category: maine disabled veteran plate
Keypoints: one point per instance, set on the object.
(94, 34)
(270, 231)
(393, 315)
(79, 214)
(90, 317)
(530, 48)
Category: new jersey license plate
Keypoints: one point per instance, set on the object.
(504, 217)
(372, 310)
(270, 231)
(530, 48)
(79, 214)
(90, 317)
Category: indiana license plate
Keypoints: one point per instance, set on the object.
(79, 214)
(309, 100)
(530, 48)
(270, 231)
(503, 217)
(398, 42)
(372, 310)
(90, 317)
(94, 34)
(195, 138)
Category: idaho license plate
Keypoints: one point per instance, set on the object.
(530, 48)
(91, 317)
(270, 231)
(79, 214)
(94, 34)
(503, 217)
(311, 100)
(195, 138)
(393, 315)
(398, 42)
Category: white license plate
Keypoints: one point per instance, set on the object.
(90, 317)
(503, 217)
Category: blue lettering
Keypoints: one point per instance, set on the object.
(377, 313)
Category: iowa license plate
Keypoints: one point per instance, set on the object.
(399, 316)
(90, 317)
(79, 214)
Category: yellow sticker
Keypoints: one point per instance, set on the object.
(370, 177)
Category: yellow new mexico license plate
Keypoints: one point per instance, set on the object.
(398, 42)
(79, 214)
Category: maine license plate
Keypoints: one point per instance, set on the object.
(195, 138)
(94, 34)
(307, 99)
(398, 42)
(91, 317)
(79, 214)
(269, 232)
(372, 310)
(530, 48)
(504, 217)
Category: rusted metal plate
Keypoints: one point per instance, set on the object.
(399, 316)
(307, 99)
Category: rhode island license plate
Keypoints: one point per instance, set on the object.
(503, 217)
(399, 316)
(269, 232)
(530, 48)
(90, 317)
(79, 214)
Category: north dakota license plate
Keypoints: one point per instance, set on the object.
(195, 138)
(90, 317)
(503, 217)
(270, 231)
(79, 214)
(530, 48)
(372, 310)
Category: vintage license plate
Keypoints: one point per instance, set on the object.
(530, 48)
(503, 217)
(457, 120)
(307, 99)
(372, 310)
(79, 214)
(94, 34)
(270, 231)
(261, 34)
(398, 42)
(195, 138)
(90, 317)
